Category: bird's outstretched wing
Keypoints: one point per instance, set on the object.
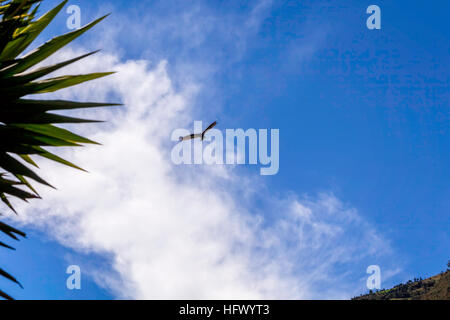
(212, 125)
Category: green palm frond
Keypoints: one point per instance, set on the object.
(28, 126)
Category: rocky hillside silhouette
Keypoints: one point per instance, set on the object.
(433, 288)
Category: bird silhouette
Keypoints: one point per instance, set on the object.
(198, 135)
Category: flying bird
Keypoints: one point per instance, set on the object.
(198, 135)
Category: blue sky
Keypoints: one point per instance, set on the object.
(363, 115)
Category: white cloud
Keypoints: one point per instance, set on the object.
(187, 232)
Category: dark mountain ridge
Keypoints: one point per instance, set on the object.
(434, 288)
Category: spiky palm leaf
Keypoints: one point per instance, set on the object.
(27, 126)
